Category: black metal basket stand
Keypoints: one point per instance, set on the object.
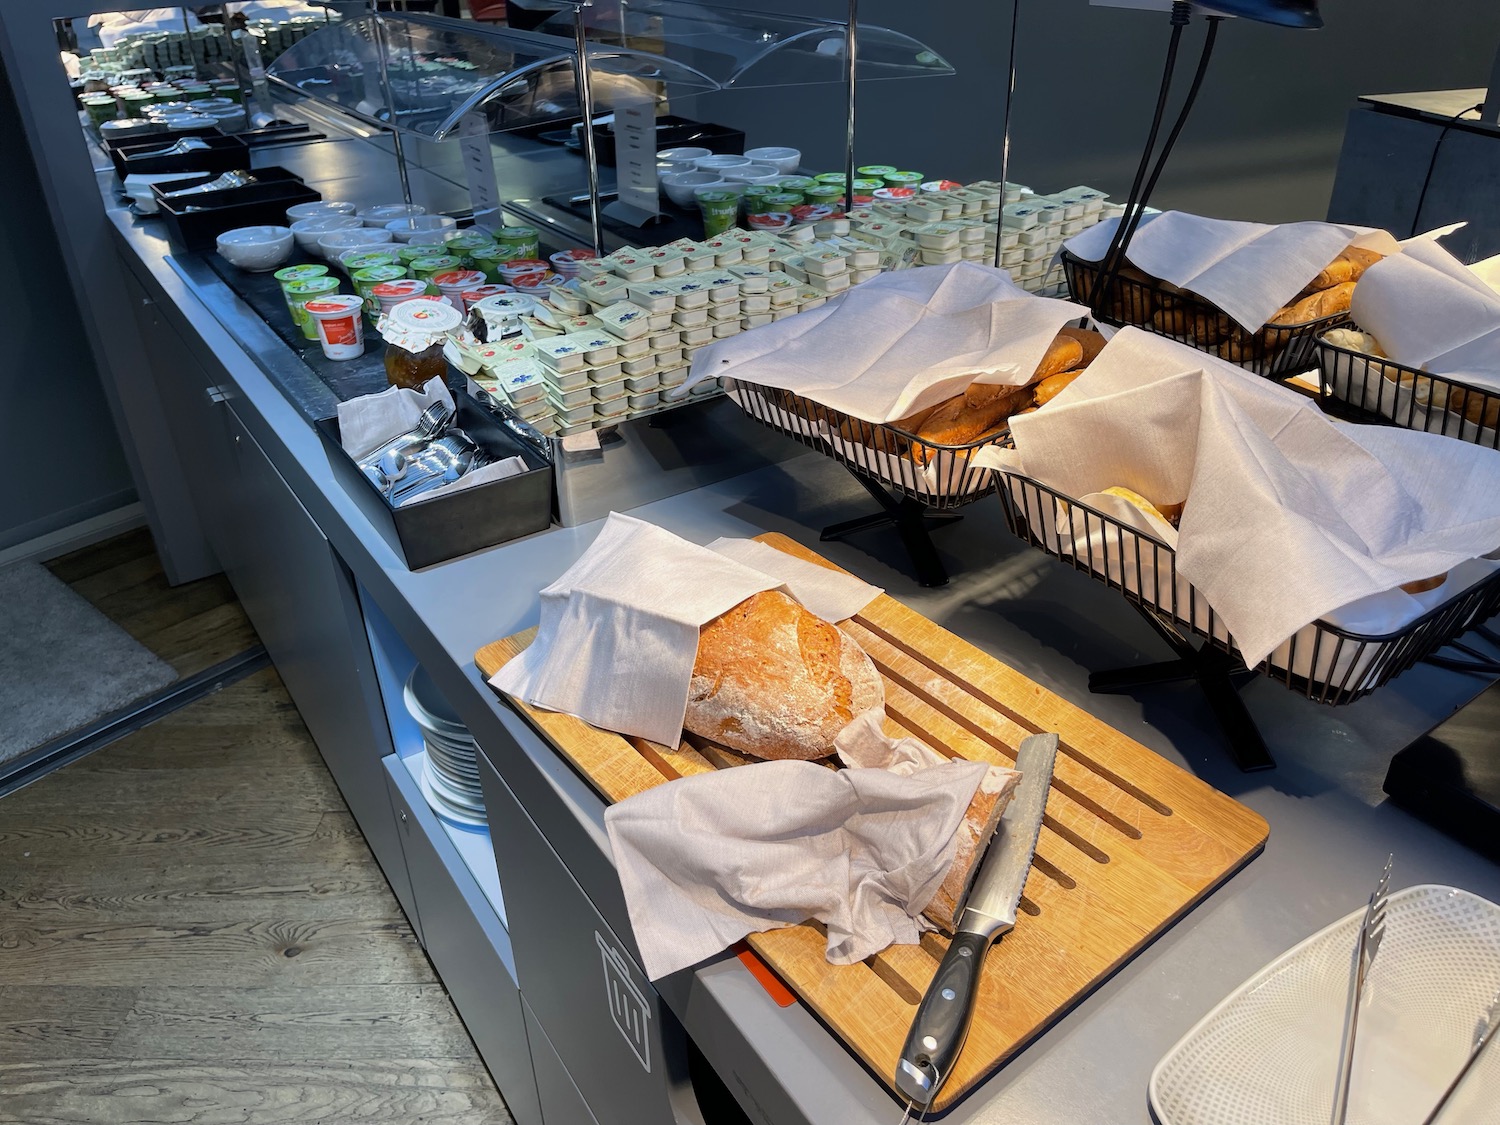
(1323, 662)
(917, 484)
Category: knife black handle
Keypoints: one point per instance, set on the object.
(941, 1024)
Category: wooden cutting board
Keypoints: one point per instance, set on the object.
(1129, 844)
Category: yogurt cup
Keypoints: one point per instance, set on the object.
(364, 282)
(472, 297)
(389, 294)
(875, 171)
(519, 242)
(338, 325)
(941, 185)
(289, 274)
(453, 283)
(427, 268)
(298, 293)
(911, 180)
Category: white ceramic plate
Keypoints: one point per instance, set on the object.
(446, 809)
(428, 706)
(1267, 1054)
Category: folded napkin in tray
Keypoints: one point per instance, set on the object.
(1289, 515)
(368, 422)
(619, 630)
(706, 860)
(1431, 312)
(1250, 270)
(900, 342)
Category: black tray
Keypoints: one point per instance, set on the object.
(224, 154)
(1274, 352)
(1368, 389)
(676, 132)
(444, 527)
(248, 206)
(273, 174)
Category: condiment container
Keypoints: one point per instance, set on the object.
(415, 332)
(338, 325)
(299, 292)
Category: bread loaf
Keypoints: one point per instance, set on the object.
(1091, 341)
(1326, 303)
(774, 681)
(1063, 354)
(1348, 266)
(957, 421)
(1422, 585)
(974, 836)
(1049, 389)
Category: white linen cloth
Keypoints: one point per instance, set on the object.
(706, 860)
(368, 422)
(899, 342)
(1432, 313)
(619, 630)
(1289, 515)
(1250, 270)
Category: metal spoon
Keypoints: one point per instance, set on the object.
(186, 145)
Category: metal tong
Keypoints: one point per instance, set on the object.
(1484, 1031)
(1371, 933)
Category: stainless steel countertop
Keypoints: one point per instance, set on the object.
(1331, 828)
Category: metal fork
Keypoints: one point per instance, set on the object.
(1488, 1024)
(1371, 933)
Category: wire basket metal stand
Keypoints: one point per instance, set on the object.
(1323, 661)
(918, 484)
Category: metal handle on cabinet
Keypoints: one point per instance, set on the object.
(217, 394)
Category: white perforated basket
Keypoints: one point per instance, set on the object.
(1267, 1054)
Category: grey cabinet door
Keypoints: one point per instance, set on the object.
(465, 941)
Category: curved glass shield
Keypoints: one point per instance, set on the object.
(438, 71)
(737, 48)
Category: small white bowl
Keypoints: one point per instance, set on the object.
(786, 160)
(383, 213)
(428, 237)
(318, 209)
(720, 162)
(257, 249)
(308, 231)
(682, 186)
(335, 242)
(683, 155)
(402, 229)
(753, 174)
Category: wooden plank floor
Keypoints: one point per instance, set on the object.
(191, 926)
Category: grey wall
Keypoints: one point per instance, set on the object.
(1263, 141)
(52, 412)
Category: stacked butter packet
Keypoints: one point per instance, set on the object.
(705, 860)
(1287, 517)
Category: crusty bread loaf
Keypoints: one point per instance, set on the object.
(1348, 266)
(774, 681)
(1063, 354)
(1048, 389)
(1092, 342)
(1325, 303)
(957, 421)
(974, 836)
(1422, 585)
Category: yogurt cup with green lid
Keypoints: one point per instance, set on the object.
(429, 267)
(875, 171)
(298, 293)
(355, 260)
(288, 274)
(837, 178)
(365, 280)
(904, 179)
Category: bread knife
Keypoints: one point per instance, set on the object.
(941, 1024)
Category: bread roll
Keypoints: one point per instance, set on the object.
(1171, 322)
(1326, 303)
(1348, 266)
(974, 836)
(1422, 585)
(1049, 389)
(1240, 346)
(1209, 326)
(1092, 342)
(1167, 513)
(1063, 354)
(1476, 406)
(773, 681)
(1352, 339)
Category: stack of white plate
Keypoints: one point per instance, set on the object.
(450, 779)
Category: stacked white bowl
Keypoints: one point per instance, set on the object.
(450, 780)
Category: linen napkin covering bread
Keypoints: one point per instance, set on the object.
(1250, 270)
(619, 630)
(1289, 515)
(899, 342)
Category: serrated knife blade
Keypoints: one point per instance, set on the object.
(942, 1020)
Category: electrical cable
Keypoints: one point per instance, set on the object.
(1181, 14)
(1416, 218)
(1134, 220)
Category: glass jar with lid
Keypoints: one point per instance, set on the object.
(415, 332)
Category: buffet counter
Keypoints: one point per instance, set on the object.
(324, 581)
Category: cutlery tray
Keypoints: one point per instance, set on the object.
(444, 527)
(193, 225)
(1130, 842)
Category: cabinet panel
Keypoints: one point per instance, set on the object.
(464, 939)
(561, 1102)
(625, 1051)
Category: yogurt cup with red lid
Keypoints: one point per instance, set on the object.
(339, 326)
